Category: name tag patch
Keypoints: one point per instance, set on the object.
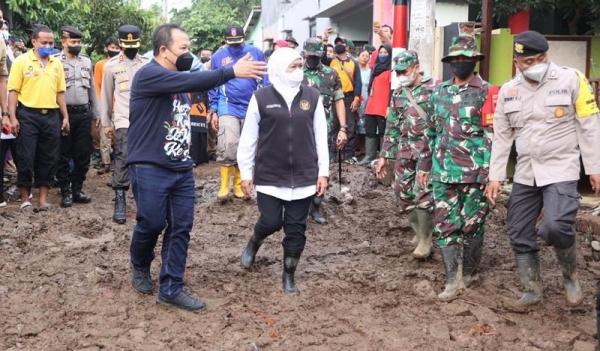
(273, 106)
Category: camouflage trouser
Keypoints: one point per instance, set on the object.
(408, 192)
(459, 212)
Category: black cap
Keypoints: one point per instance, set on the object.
(530, 43)
(70, 32)
(129, 36)
(291, 39)
(339, 40)
(234, 34)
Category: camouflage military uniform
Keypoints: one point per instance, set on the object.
(404, 141)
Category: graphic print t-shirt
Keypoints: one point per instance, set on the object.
(159, 114)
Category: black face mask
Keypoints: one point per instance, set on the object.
(312, 62)
(184, 62)
(112, 53)
(204, 59)
(74, 50)
(462, 69)
(130, 53)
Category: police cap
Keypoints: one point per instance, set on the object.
(129, 36)
(530, 43)
(70, 32)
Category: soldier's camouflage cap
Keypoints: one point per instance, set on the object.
(463, 45)
(405, 59)
(313, 47)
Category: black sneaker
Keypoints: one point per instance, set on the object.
(183, 301)
(141, 280)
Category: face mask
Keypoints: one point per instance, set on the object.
(112, 53)
(537, 72)
(236, 49)
(74, 50)
(44, 52)
(130, 53)
(462, 69)
(204, 59)
(295, 77)
(312, 62)
(404, 81)
(382, 58)
(184, 62)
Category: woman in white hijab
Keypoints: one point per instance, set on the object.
(283, 151)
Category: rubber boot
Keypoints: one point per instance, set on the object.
(223, 193)
(370, 150)
(568, 263)
(424, 232)
(471, 258)
(528, 267)
(315, 210)
(290, 262)
(237, 184)
(414, 222)
(119, 215)
(67, 197)
(249, 253)
(454, 282)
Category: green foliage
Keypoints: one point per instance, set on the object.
(206, 20)
(97, 19)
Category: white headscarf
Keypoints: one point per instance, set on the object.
(276, 68)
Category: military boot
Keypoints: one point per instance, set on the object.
(315, 210)
(528, 267)
(290, 262)
(454, 282)
(471, 258)
(568, 263)
(249, 253)
(79, 196)
(370, 150)
(119, 215)
(67, 196)
(424, 232)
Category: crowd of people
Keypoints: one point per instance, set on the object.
(274, 121)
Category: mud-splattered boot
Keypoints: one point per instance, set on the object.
(237, 185)
(315, 210)
(568, 263)
(290, 262)
(414, 222)
(471, 258)
(424, 232)
(528, 267)
(66, 197)
(249, 253)
(224, 192)
(119, 215)
(454, 282)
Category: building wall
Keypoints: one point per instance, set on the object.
(449, 12)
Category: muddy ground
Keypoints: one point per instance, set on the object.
(64, 284)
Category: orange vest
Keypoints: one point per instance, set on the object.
(345, 71)
(98, 74)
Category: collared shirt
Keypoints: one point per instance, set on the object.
(36, 84)
(458, 146)
(79, 81)
(116, 85)
(552, 124)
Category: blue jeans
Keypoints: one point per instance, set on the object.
(165, 200)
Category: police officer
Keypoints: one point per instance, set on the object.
(114, 109)
(456, 160)
(82, 107)
(551, 114)
(403, 142)
(327, 81)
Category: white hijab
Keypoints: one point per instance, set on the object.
(276, 68)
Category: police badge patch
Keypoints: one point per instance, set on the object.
(305, 105)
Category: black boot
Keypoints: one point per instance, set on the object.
(141, 280)
(290, 262)
(67, 197)
(315, 210)
(79, 196)
(250, 251)
(471, 258)
(528, 267)
(454, 282)
(568, 263)
(120, 207)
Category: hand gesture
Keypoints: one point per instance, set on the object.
(247, 68)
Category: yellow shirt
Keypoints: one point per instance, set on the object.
(346, 72)
(36, 85)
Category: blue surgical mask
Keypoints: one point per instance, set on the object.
(45, 52)
(383, 58)
(5, 35)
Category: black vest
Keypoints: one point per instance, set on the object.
(286, 153)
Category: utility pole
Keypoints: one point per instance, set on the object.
(400, 23)
(486, 37)
(422, 32)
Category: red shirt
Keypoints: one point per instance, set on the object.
(379, 96)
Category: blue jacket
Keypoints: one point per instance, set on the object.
(233, 97)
